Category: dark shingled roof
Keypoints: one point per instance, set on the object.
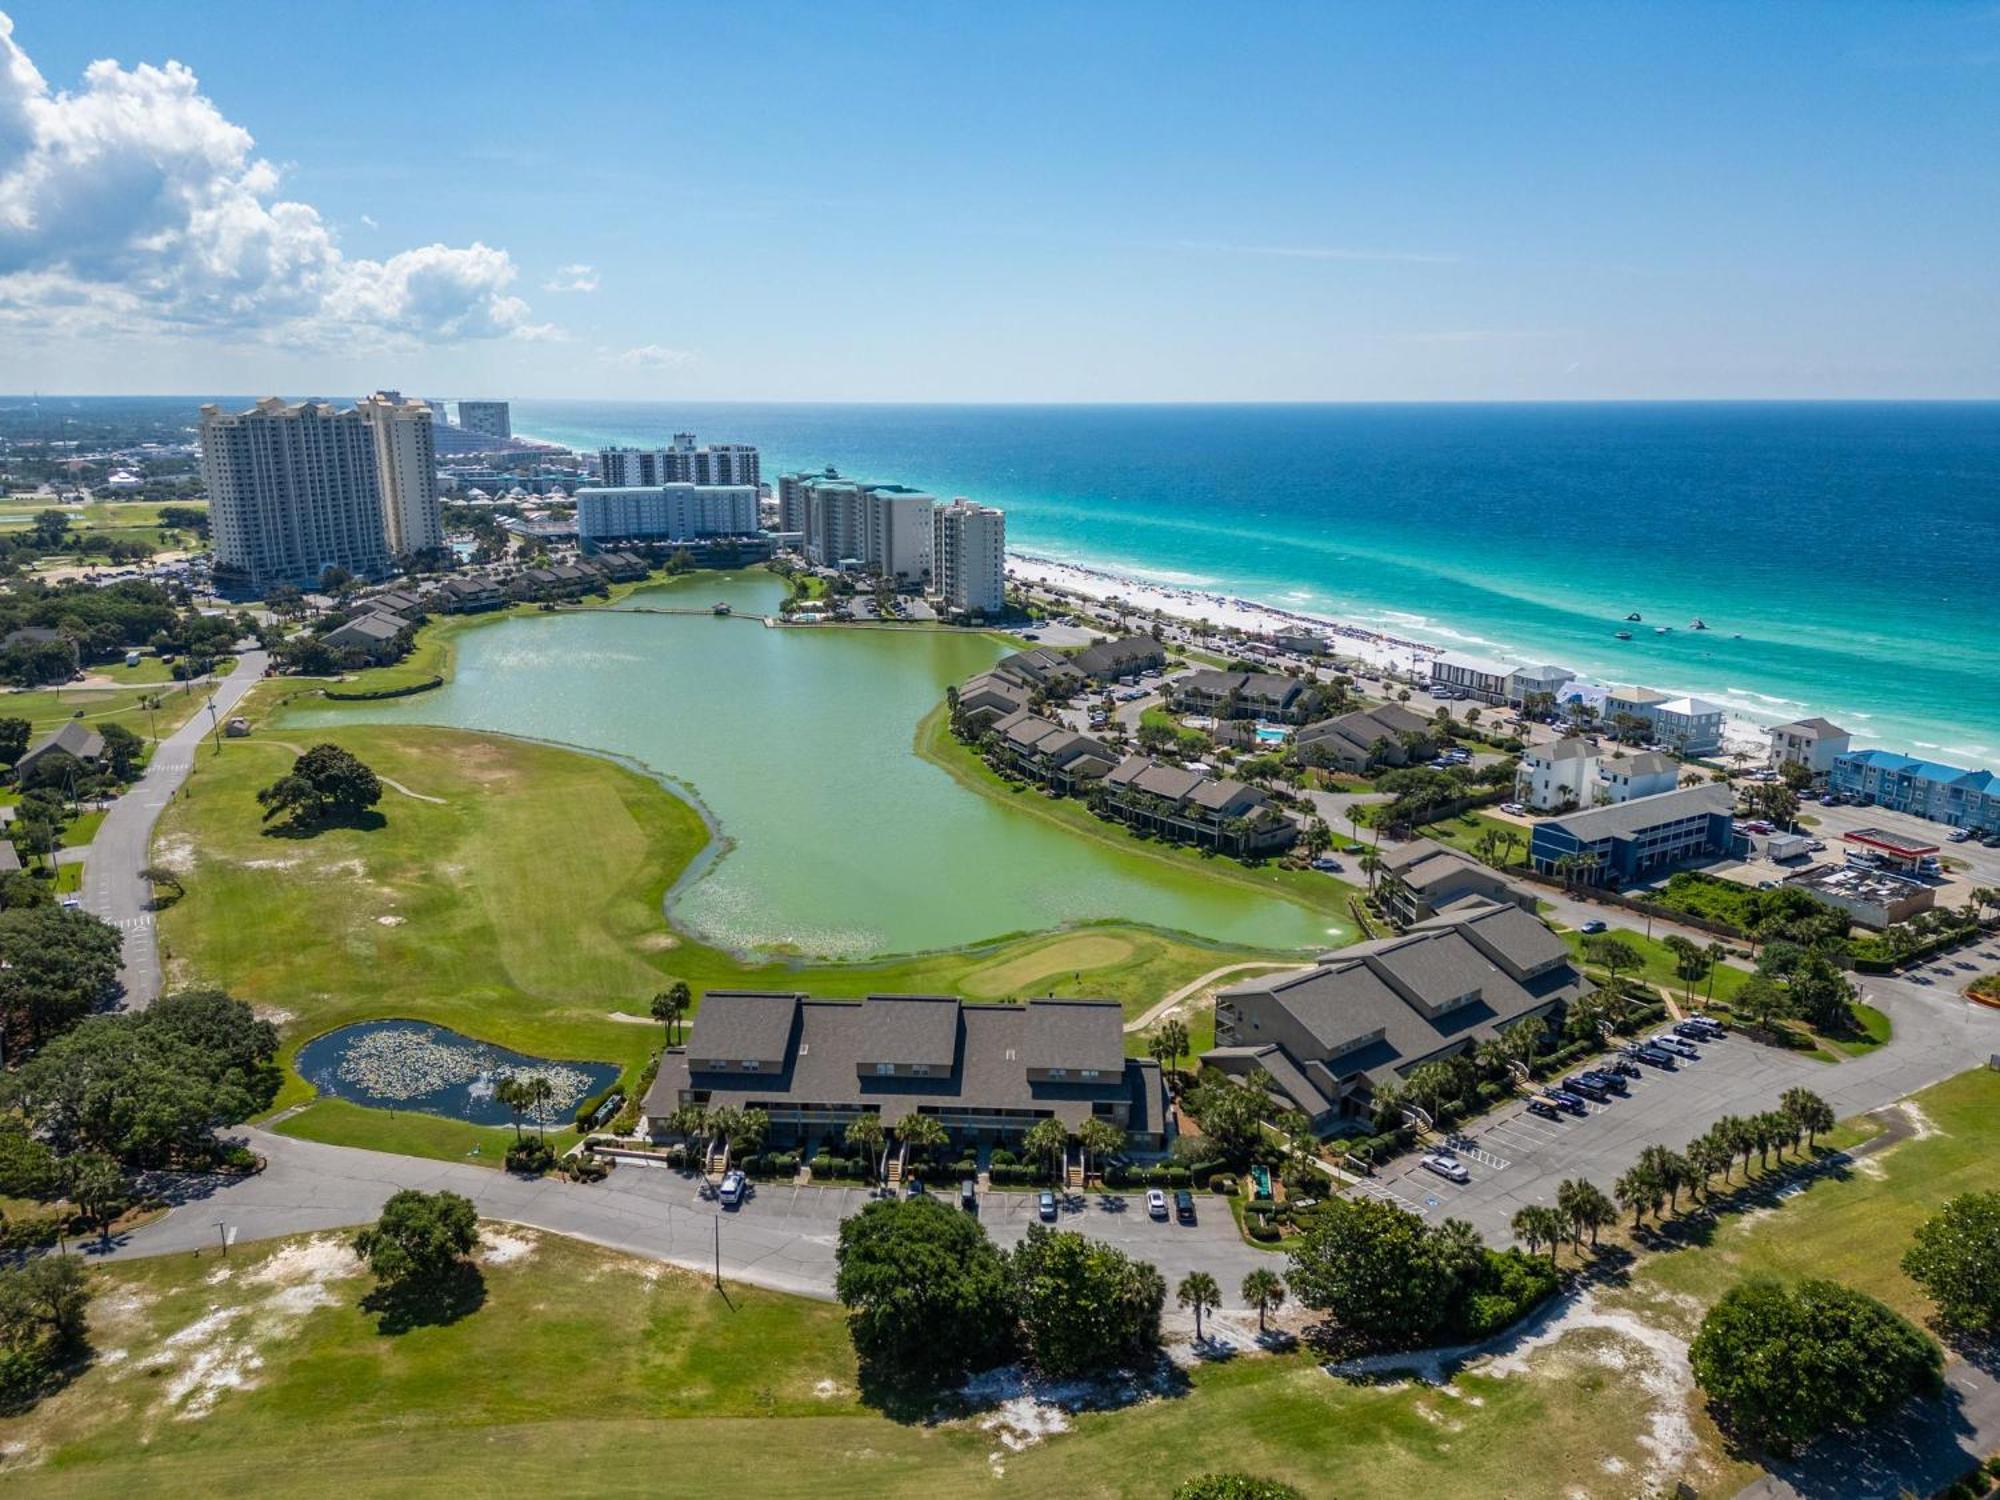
(1074, 1034)
(909, 1030)
(744, 1026)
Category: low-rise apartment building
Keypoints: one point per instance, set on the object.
(1192, 807)
(1240, 695)
(1524, 683)
(1475, 676)
(1927, 789)
(1638, 840)
(1127, 656)
(1051, 753)
(1361, 1017)
(1576, 772)
(1361, 741)
(987, 1073)
(1421, 879)
(1812, 743)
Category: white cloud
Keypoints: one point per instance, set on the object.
(655, 357)
(576, 278)
(368, 221)
(133, 204)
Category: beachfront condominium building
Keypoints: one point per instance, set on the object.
(293, 490)
(969, 557)
(1638, 840)
(1474, 676)
(683, 463)
(487, 418)
(1814, 744)
(872, 528)
(664, 513)
(1575, 772)
(406, 469)
(792, 496)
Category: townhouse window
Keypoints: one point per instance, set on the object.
(885, 1068)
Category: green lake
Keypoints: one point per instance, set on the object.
(841, 841)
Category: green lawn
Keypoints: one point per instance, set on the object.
(81, 829)
(1659, 967)
(47, 709)
(1464, 831)
(461, 912)
(407, 1133)
(588, 1372)
(96, 515)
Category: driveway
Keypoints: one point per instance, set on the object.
(1516, 1159)
(123, 844)
(782, 1238)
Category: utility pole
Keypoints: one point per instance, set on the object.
(222, 1231)
(718, 1250)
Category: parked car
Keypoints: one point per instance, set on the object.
(968, 1196)
(1047, 1204)
(1624, 1067)
(1568, 1103)
(1959, 835)
(1592, 927)
(1695, 1031)
(734, 1187)
(1653, 1057)
(1544, 1108)
(1513, 809)
(1666, 1041)
(1156, 1203)
(1184, 1206)
(1611, 1082)
(1446, 1166)
(1589, 1088)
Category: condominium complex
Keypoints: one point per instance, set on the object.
(406, 469)
(968, 557)
(664, 513)
(683, 463)
(877, 528)
(487, 418)
(293, 490)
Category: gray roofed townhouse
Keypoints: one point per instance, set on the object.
(1426, 877)
(986, 1072)
(1364, 1015)
(1042, 667)
(1124, 657)
(1232, 695)
(1361, 739)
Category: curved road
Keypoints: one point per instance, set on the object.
(122, 848)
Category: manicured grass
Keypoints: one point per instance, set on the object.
(1659, 966)
(1875, 1030)
(96, 515)
(81, 829)
(48, 709)
(588, 1372)
(1464, 831)
(1855, 1229)
(523, 909)
(338, 1122)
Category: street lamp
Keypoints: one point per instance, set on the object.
(215, 724)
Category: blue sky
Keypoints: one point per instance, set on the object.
(1027, 202)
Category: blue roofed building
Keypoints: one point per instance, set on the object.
(1634, 841)
(1925, 788)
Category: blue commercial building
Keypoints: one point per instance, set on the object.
(1630, 842)
(1901, 783)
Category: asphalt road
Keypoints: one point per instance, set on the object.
(782, 1238)
(122, 847)
(1516, 1159)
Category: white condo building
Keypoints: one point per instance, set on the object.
(293, 490)
(683, 463)
(879, 528)
(664, 513)
(492, 419)
(969, 555)
(406, 469)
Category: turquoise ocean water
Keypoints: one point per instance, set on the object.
(1845, 556)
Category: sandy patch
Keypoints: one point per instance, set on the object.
(1921, 1125)
(272, 1013)
(1652, 1358)
(497, 1248)
(271, 864)
(175, 853)
(626, 1018)
(658, 942)
(826, 1390)
(1021, 1411)
(390, 919)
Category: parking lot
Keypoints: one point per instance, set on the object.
(1515, 1159)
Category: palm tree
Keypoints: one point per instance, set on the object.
(1429, 1082)
(1584, 1206)
(670, 1005)
(1199, 1292)
(1808, 1111)
(920, 1132)
(537, 1091)
(1047, 1140)
(1100, 1138)
(1638, 1191)
(1669, 1169)
(1168, 1044)
(688, 1121)
(865, 1134)
(1371, 862)
(513, 1093)
(1265, 1291)
(1707, 1156)
(1530, 1225)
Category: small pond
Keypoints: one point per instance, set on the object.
(415, 1065)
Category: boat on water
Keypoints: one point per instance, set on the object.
(719, 609)
(1624, 635)
(1663, 630)
(1698, 624)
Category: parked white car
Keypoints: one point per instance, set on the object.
(1446, 1166)
(732, 1189)
(1156, 1203)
